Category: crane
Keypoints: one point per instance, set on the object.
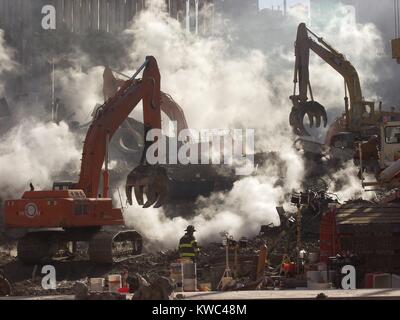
(73, 212)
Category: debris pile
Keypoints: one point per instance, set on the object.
(148, 276)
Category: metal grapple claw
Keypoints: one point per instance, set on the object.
(315, 112)
(148, 181)
(171, 184)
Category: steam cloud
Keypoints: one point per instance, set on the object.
(32, 151)
(220, 84)
(219, 88)
(7, 63)
(35, 152)
(362, 45)
(346, 184)
(80, 90)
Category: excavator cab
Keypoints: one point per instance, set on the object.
(63, 185)
(390, 143)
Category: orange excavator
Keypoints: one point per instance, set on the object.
(82, 211)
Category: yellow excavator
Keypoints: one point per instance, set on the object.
(360, 117)
(368, 230)
(388, 144)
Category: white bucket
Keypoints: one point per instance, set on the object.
(114, 282)
(97, 284)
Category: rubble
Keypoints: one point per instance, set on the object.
(160, 288)
(5, 286)
(148, 273)
(308, 250)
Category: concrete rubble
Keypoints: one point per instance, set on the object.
(148, 275)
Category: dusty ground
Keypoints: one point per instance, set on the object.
(26, 279)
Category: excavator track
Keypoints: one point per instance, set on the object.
(35, 247)
(105, 246)
(109, 247)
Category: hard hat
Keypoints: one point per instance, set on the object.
(190, 229)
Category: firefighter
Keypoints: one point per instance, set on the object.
(188, 248)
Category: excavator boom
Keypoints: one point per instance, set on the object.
(109, 117)
(301, 104)
(111, 85)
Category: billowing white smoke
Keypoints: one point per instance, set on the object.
(215, 86)
(80, 90)
(346, 185)
(362, 45)
(7, 63)
(32, 151)
(221, 86)
(35, 152)
(251, 203)
(218, 88)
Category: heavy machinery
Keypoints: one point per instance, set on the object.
(81, 212)
(128, 145)
(360, 118)
(111, 85)
(385, 159)
(363, 229)
(175, 187)
(169, 184)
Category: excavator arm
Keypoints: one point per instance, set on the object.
(146, 180)
(111, 115)
(314, 110)
(174, 112)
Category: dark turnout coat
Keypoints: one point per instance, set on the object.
(188, 247)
